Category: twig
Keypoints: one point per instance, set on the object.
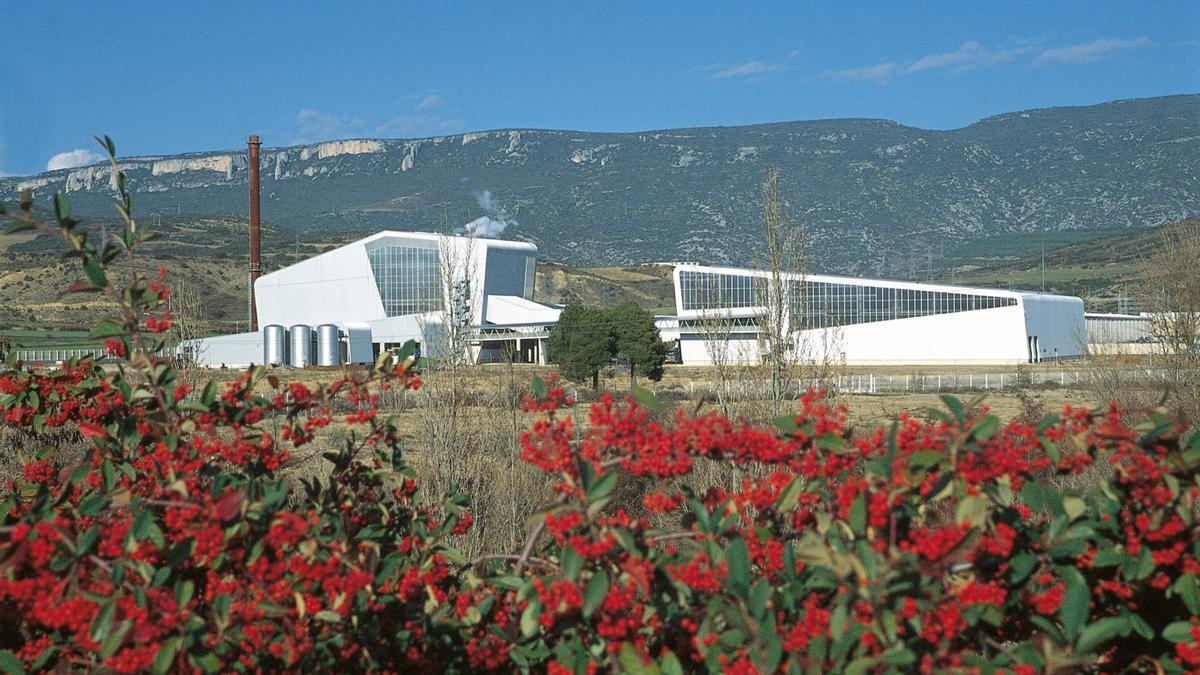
(529, 542)
(509, 556)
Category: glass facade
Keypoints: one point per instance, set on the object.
(826, 304)
(407, 278)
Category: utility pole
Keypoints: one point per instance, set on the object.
(1043, 266)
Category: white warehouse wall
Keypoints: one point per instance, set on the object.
(1058, 323)
(980, 336)
(336, 286)
(992, 335)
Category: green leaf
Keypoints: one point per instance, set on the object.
(107, 328)
(926, 459)
(144, 527)
(529, 618)
(209, 662)
(102, 623)
(986, 428)
(631, 662)
(670, 664)
(858, 515)
(166, 655)
(95, 273)
(1074, 507)
(791, 494)
(1139, 624)
(973, 509)
(760, 595)
(1179, 631)
(786, 424)
(1074, 609)
(571, 562)
(113, 642)
(597, 590)
(861, 665)
(86, 540)
(10, 664)
(1188, 591)
(538, 387)
(955, 406)
(737, 559)
(62, 207)
(406, 350)
(1096, 634)
(17, 226)
(603, 487)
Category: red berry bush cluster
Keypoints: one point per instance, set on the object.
(180, 541)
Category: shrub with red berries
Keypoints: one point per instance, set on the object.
(181, 542)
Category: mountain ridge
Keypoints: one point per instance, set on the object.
(874, 194)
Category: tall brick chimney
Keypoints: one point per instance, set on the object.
(255, 235)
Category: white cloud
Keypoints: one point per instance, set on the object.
(753, 70)
(878, 73)
(1090, 51)
(972, 54)
(74, 158)
(430, 101)
(747, 70)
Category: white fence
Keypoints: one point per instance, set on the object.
(58, 355)
(871, 383)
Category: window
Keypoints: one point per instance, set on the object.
(825, 304)
(407, 278)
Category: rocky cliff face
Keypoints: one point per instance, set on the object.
(875, 195)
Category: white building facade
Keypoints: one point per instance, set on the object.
(869, 321)
(443, 292)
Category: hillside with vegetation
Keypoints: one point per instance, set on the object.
(1103, 269)
(877, 197)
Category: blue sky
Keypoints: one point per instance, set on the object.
(165, 78)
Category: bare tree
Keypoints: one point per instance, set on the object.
(714, 324)
(445, 435)
(1170, 292)
(782, 296)
(187, 307)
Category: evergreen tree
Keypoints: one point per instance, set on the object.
(637, 342)
(581, 343)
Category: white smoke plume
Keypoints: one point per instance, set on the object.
(490, 225)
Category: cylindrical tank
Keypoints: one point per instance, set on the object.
(301, 347)
(328, 346)
(274, 345)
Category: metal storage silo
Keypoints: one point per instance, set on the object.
(275, 345)
(301, 347)
(328, 345)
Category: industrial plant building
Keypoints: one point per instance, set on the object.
(854, 320)
(469, 296)
(473, 298)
